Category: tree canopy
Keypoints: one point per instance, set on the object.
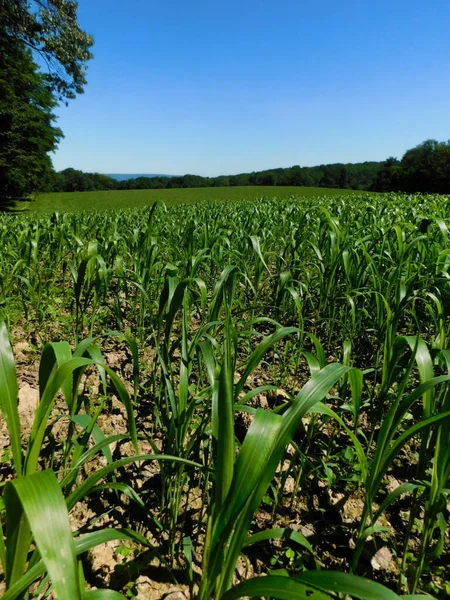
(426, 168)
(27, 133)
(51, 30)
(46, 31)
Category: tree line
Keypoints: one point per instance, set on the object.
(358, 176)
(425, 168)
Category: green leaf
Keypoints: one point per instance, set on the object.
(392, 452)
(82, 544)
(53, 356)
(225, 426)
(226, 282)
(323, 409)
(43, 504)
(102, 595)
(84, 488)
(85, 421)
(257, 248)
(255, 357)
(8, 397)
(311, 393)
(424, 364)
(274, 586)
(404, 488)
(251, 464)
(54, 384)
(345, 583)
(282, 533)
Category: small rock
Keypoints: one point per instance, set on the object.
(352, 510)
(177, 595)
(392, 483)
(307, 531)
(289, 486)
(383, 560)
(336, 498)
(19, 351)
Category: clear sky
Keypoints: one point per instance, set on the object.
(220, 87)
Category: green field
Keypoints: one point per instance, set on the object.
(117, 199)
(211, 391)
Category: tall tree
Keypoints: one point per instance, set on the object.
(27, 133)
(51, 30)
(45, 31)
(426, 168)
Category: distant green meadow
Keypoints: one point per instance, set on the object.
(118, 199)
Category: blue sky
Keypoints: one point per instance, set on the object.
(213, 88)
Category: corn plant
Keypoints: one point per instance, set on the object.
(230, 309)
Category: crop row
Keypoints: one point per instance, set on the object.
(276, 348)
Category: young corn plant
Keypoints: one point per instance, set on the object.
(36, 505)
(241, 481)
(432, 435)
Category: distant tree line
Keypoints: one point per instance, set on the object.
(425, 168)
(357, 176)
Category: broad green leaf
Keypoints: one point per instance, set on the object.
(8, 397)
(53, 356)
(226, 282)
(54, 384)
(250, 466)
(346, 583)
(85, 422)
(82, 544)
(43, 504)
(225, 427)
(257, 248)
(274, 586)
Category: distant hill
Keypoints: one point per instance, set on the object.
(125, 176)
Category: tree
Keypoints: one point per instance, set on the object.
(50, 29)
(387, 177)
(45, 30)
(426, 168)
(27, 133)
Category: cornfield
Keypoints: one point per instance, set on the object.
(244, 399)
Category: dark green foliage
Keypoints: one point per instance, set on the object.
(27, 133)
(50, 29)
(72, 180)
(426, 168)
(45, 30)
(388, 176)
(361, 176)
